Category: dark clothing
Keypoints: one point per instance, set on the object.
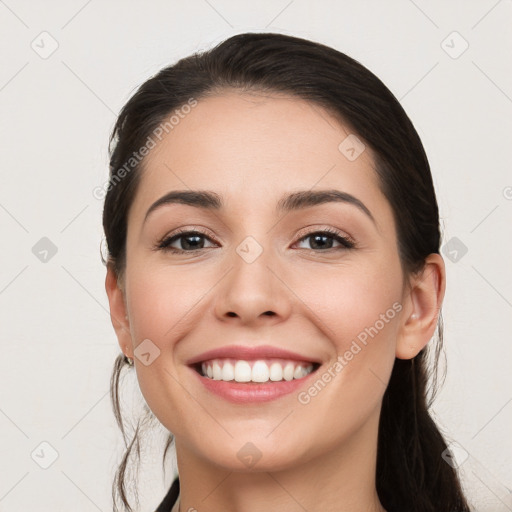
(170, 498)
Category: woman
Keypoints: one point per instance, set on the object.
(274, 277)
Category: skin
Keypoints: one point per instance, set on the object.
(251, 149)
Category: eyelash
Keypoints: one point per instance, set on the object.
(164, 244)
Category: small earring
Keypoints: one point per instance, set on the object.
(128, 360)
(414, 316)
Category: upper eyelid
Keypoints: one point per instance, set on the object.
(302, 234)
(308, 231)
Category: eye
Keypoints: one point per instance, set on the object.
(323, 240)
(188, 241)
(193, 240)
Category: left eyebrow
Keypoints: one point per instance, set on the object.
(308, 198)
(298, 200)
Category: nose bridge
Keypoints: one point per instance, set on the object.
(254, 250)
(252, 259)
(251, 289)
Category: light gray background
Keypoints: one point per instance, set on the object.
(57, 342)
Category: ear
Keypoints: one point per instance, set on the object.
(422, 305)
(118, 312)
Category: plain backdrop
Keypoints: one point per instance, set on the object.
(67, 68)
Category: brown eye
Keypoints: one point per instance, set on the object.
(188, 241)
(324, 240)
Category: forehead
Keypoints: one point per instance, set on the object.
(253, 148)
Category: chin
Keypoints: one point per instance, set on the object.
(243, 455)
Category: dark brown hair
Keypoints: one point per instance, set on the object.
(411, 473)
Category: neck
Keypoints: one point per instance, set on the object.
(341, 479)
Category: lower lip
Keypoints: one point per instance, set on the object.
(243, 393)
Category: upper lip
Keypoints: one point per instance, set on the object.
(247, 353)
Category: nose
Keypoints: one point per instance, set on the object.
(253, 292)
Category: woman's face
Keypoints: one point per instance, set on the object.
(311, 295)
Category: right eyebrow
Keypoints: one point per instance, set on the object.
(200, 199)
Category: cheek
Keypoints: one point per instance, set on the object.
(348, 301)
(164, 306)
(358, 310)
(162, 303)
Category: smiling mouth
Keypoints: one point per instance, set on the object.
(258, 371)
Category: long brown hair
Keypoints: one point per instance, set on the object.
(411, 473)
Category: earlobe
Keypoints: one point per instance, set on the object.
(422, 306)
(118, 313)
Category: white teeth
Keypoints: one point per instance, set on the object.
(242, 371)
(228, 371)
(276, 372)
(260, 372)
(288, 371)
(217, 371)
(297, 374)
(254, 371)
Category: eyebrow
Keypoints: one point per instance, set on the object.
(296, 201)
